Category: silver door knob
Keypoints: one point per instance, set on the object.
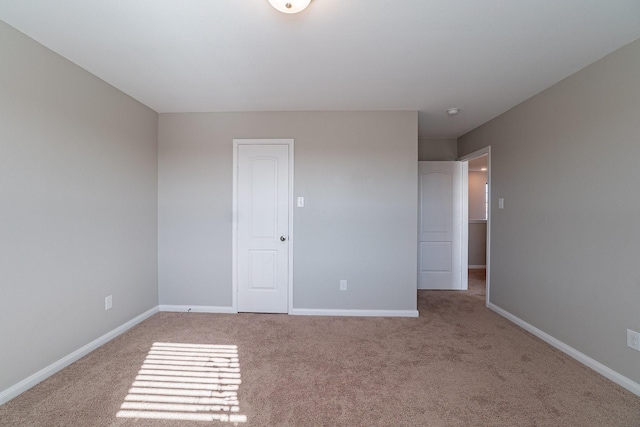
(282, 238)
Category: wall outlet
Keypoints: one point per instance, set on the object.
(108, 302)
(343, 285)
(633, 339)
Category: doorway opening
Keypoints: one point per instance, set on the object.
(479, 218)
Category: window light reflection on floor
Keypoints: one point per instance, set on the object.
(194, 382)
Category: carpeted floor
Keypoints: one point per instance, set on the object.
(458, 364)
(478, 283)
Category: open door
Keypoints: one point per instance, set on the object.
(442, 249)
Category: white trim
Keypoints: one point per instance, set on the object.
(197, 309)
(234, 217)
(479, 153)
(464, 235)
(607, 372)
(291, 205)
(234, 230)
(475, 267)
(45, 373)
(354, 313)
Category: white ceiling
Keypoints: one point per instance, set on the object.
(483, 56)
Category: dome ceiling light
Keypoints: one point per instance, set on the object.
(290, 6)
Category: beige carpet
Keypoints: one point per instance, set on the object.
(477, 283)
(459, 364)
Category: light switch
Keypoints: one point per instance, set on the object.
(500, 203)
(301, 202)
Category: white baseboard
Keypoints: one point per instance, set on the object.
(475, 267)
(359, 313)
(609, 373)
(295, 311)
(197, 309)
(45, 373)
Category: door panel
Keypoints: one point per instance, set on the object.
(436, 256)
(437, 193)
(263, 221)
(263, 197)
(263, 267)
(440, 228)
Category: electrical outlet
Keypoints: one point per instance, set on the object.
(108, 302)
(343, 285)
(633, 339)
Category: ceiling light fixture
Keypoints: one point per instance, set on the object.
(290, 6)
(453, 111)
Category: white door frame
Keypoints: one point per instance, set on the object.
(234, 221)
(479, 153)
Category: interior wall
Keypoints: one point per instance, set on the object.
(358, 174)
(477, 183)
(477, 219)
(78, 207)
(565, 248)
(437, 149)
(477, 257)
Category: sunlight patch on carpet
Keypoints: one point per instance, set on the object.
(193, 382)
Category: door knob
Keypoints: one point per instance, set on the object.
(282, 238)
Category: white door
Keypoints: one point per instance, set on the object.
(263, 217)
(440, 228)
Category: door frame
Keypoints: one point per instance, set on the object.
(234, 220)
(474, 155)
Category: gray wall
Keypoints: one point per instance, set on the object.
(358, 174)
(477, 255)
(565, 249)
(437, 149)
(477, 194)
(477, 229)
(78, 207)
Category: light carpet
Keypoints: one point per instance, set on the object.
(458, 364)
